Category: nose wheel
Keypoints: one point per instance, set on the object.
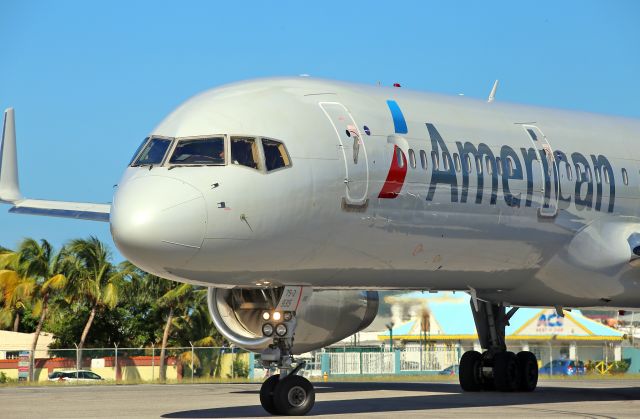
(292, 395)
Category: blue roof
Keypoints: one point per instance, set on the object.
(452, 313)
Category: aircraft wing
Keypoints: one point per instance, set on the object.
(10, 187)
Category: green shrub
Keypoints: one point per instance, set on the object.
(620, 367)
(240, 369)
(4, 379)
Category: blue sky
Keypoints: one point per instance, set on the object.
(90, 79)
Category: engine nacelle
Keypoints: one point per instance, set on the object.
(328, 316)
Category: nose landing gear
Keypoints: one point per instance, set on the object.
(496, 368)
(286, 393)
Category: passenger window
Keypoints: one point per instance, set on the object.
(487, 161)
(445, 161)
(468, 163)
(244, 152)
(199, 151)
(578, 173)
(569, 172)
(605, 175)
(399, 158)
(153, 152)
(423, 159)
(275, 155)
(625, 176)
(499, 166)
(510, 166)
(412, 158)
(456, 162)
(479, 165)
(588, 174)
(596, 173)
(435, 161)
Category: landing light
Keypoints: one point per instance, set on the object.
(287, 316)
(265, 315)
(276, 315)
(267, 329)
(281, 330)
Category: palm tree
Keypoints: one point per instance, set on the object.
(15, 294)
(195, 327)
(93, 279)
(38, 268)
(15, 290)
(177, 299)
(41, 262)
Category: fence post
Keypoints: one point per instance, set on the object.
(550, 359)
(252, 361)
(116, 363)
(325, 363)
(192, 353)
(77, 359)
(32, 356)
(153, 362)
(396, 364)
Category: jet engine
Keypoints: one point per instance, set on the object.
(327, 317)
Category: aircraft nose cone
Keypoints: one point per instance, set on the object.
(158, 222)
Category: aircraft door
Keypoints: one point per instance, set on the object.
(354, 154)
(545, 173)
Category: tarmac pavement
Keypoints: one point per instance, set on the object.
(566, 398)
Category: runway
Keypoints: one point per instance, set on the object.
(568, 398)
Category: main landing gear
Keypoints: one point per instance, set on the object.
(286, 393)
(496, 368)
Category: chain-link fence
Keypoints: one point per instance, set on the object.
(189, 364)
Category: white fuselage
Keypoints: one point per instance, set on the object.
(524, 230)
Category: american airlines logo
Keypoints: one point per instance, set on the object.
(455, 172)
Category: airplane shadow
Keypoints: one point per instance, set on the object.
(450, 397)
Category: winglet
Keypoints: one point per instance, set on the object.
(9, 185)
(492, 95)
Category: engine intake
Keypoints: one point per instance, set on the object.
(328, 316)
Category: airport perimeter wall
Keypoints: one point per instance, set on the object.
(132, 364)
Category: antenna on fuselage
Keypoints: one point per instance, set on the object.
(492, 95)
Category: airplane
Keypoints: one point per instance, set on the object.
(294, 200)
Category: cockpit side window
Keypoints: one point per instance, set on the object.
(138, 150)
(199, 151)
(244, 151)
(154, 152)
(275, 154)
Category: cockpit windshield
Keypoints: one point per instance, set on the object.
(154, 152)
(138, 150)
(199, 151)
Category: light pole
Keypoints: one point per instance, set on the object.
(390, 327)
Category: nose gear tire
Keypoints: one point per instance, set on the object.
(293, 396)
(266, 393)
